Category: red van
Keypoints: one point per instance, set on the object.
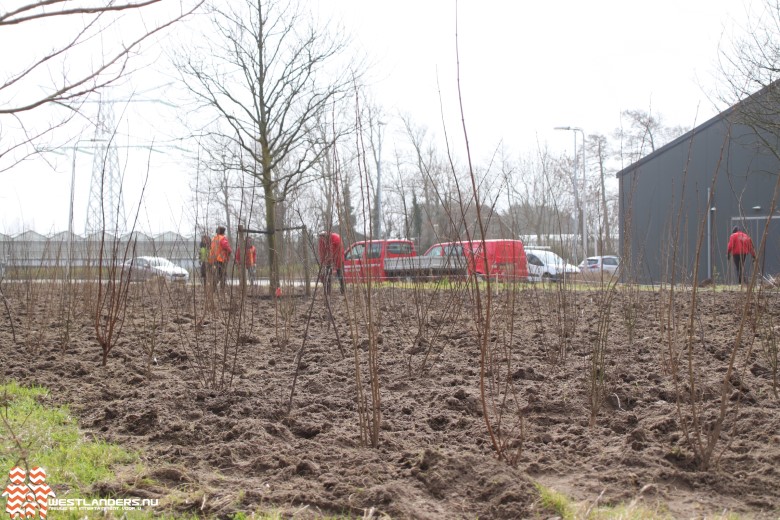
(367, 259)
(502, 259)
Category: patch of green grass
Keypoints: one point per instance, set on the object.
(557, 502)
(627, 512)
(567, 509)
(50, 438)
(36, 435)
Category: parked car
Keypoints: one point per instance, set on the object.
(545, 265)
(594, 266)
(366, 259)
(146, 267)
(502, 259)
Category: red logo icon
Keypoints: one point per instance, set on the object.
(27, 498)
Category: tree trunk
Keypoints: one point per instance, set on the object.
(241, 264)
(270, 223)
(305, 255)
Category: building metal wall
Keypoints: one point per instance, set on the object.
(30, 249)
(664, 217)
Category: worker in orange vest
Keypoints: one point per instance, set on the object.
(219, 254)
(250, 260)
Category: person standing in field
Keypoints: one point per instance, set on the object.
(203, 255)
(331, 253)
(740, 245)
(250, 260)
(219, 254)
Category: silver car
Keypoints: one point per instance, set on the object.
(597, 265)
(145, 267)
(545, 265)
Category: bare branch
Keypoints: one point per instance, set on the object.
(19, 15)
(94, 79)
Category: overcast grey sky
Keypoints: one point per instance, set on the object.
(525, 67)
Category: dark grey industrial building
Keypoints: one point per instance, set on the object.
(665, 215)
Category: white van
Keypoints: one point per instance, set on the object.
(545, 265)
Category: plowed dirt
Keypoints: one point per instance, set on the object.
(210, 415)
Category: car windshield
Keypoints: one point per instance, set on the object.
(454, 250)
(399, 248)
(356, 252)
(550, 258)
(160, 262)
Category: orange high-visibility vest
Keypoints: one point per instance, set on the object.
(217, 253)
(251, 256)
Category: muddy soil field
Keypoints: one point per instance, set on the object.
(220, 429)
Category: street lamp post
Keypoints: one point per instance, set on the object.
(581, 203)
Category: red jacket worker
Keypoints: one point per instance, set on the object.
(740, 245)
(331, 254)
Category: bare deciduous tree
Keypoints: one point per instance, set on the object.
(598, 151)
(539, 205)
(265, 74)
(644, 134)
(68, 65)
(750, 65)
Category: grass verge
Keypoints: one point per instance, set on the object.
(567, 509)
(48, 437)
(36, 435)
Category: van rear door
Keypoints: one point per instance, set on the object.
(512, 259)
